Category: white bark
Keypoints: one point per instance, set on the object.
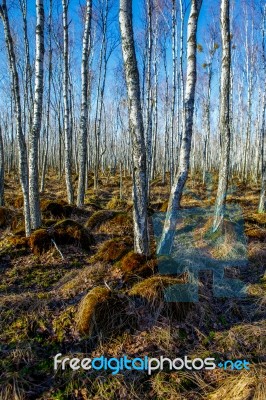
(2, 169)
(84, 107)
(141, 237)
(262, 203)
(67, 131)
(23, 161)
(224, 116)
(37, 119)
(165, 244)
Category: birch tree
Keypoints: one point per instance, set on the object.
(141, 236)
(262, 203)
(67, 131)
(37, 119)
(2, 169)
(224, 116)
(180, 179)
(84, 107)
(23, 159)
(50, 67)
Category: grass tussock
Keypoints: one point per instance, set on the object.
(116, 204)
(103, 313)
(90, 305)
(132, 262)
(112, 301)
(113, 250)
(256, 233)
(245, 385)
(153, 292)
(98, 218)
(120, 225)
(242, 341)
(63, 232)
(56, 209)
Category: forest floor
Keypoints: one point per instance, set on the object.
(76, 287)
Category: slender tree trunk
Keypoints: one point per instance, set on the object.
(2, 169)
(149, 106)
(224, 116)
(67, 131)
(262, 203)
(165, 244)
(83, 134)
(141, 236)
(37, 119)
(44, 167)
(173, 104)
(23, 160)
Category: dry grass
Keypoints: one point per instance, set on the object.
(116, 204)
(152, 292)
(104, 313)
(244, 385)
(99, 217)
(90, 304)
(242, 341)
(121, 308)
(113, 250)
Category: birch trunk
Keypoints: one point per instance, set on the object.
(224, 116)
(173, 104)
(23, 161)
(50, 67)
(141, 237)
(165, 244)
(2, 170)
(149, 107)
(37, 120)
(262, 203)
(67, 131)
(83, 134)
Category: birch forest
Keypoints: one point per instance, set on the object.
(133, 199)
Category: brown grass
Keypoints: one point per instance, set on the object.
(99, 217)
(151, 290)
(116, 204)
(245, 385)
(112, 250)
(103, 313)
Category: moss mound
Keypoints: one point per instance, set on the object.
(256, 233)
(94, 201)
(63, 232)
(19, 201)
(40, 241)
(152, 292)
(258, 219)
(103, 313)
(99, 217)
(55, 209)
(71, 232)
(116, 204)
(113, 250)
(120, 224)
(132, 262)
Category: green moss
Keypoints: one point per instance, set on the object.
(99, 217)
(116, 204)
(64, 323)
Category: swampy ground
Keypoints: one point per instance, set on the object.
(76, 287)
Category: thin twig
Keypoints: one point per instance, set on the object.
(59, 251)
